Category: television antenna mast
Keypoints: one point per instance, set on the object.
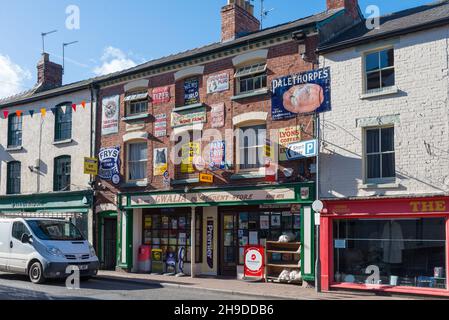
(263, 12)
(43, 35)
(63, 53)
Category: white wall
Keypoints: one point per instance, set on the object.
(78, 149)
(419, 110)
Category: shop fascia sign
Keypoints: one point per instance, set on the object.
(280, 194)
(188, 117)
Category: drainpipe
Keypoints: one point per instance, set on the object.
(193, 243)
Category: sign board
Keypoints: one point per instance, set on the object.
(161, 95)
(110, 115)
(160, 161)
(254, 265)
(157, 263)
(91, 166)
(207, 178)
(191, 91)
(160, 125)
(210, 243)
(188, 152)
(109, 164)
(301, 150)
(288, 136)
(301, 94)
(218, 83)
(217, 155)
(188, 117)
(218, 115)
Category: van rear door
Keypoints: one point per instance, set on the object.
(5, 235)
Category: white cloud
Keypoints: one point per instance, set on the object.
(113, 60)
(12, 77)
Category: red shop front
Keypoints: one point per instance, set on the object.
(389, 245)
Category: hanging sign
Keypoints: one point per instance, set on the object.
(91, 166)
(218, 115)
(161, 95)
(287, 136)
(301, 93)
(109, 160)
(188, 117)
(218, 83)
(191, 91)
(210, 243)
(110, 115)
(254, 259)
(207, 178)
(217, 155)
(166, 180)
(160, 163)
(189, 151)
(303, 149)
(160, 125)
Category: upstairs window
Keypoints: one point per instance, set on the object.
(252, 142)
(63, 122)
(251, 78)
(380, 154)
(14, 131)
(379, 70)
(13, 177)
(62, 170)
(137, 161)
(136, 104)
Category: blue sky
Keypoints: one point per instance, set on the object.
(115, 34)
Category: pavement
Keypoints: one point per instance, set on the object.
(236, 288)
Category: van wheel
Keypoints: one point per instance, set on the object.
(36, 273)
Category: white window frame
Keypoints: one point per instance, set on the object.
(260, 71)
(128, 148)
(240, 157)
(133, 97)
(365, 73)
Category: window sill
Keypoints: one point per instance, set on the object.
(247, 175)
(185, 181)
(136, 117)
(256, 93)
(134, 184)
(383, 92)
(188, 107)
(67, 141)
(380, 185)
(12, 149)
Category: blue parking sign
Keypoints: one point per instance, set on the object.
(303, 149)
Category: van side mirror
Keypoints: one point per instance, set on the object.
(26, 238)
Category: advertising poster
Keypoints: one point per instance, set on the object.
(287, 136)
(160, 161)
(217, 155)
(301, 93)
(210, 243)
(218, 115)
(265, 222)
(160, 125)
(110, 115)
(191, 91)
(218, 83)
(254, 262)
(189, 151)
(189, 117)
(109, 164)
(161, 95)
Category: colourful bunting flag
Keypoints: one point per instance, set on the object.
(18, 113)
(5, 113)
(43, 112)
(64, 109)
(53, 110)
(83, 103)
(74, 107)
(31, 112)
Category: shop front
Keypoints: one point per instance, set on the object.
(71, 206)
(389, 245)
(223, 221)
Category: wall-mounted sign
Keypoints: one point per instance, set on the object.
(110, 115)
(218, 115)
(166, 180)
(191, 91)
(301, 93)
(91, 166)
(188, 117)
(207, 178)
(303, 149)
(160, 125)
(160, 161)
(287, 136)
(254, 262)
(218, 83)
(189, 151)
(109, 164)
(210, 243)
(217, 155)
(161, 95)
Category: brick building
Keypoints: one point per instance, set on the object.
(218, 191)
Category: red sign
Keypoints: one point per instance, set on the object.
(254, 262)
(161, 95)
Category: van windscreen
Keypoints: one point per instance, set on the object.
(55, 230)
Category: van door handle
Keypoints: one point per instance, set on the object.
(11, 245)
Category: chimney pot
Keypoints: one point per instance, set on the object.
(237, 19)
(351, 6)
(49, 74)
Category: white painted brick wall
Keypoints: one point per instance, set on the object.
(421, 64)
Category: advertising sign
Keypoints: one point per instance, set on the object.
(157, 264)
(188, 117)
(301, 93)
(210, 243)
(218, 115)
(218, 83)
(91, 166)
(189, 151)
(207, 178)
(191, 91)
(287, 136)
(301, 150)
(217, 155)
(160, 125)
(110, 115)
(160, 162)
(254, 259)
(109, 164)
(161, 95)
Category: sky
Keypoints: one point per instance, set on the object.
(114, 35)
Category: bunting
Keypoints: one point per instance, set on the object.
(43, 112)
(53, 110)
(83, 103)
(5, 113)
(74, 107)
(31, 112)
(18, 113)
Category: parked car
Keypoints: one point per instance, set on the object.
(44, 249)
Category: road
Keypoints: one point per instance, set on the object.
(15, 287)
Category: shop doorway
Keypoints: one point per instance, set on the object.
(228, 247)
(108, 241)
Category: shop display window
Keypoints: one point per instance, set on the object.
(407, 252)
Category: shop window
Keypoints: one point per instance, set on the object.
(407, 252)
(379, 154)
(63, 122)
(379, 70)
(251, 78)
(14, 131)
(137, 161)
(13, 177)
(171, 231)
(62, 173)
(136, 103)
(251, 147)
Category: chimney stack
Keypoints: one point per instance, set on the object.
(351, 6)
(49, 74)
(237, 20)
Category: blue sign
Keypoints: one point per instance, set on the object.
(109, 164)
(301, 93)
(191, 91)
(301, 150)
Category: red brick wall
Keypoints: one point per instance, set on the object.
(350, 5)
(237, 21)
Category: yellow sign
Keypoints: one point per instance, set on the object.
(287, 136)
(91, 166)
(208, 178)
(189, 151)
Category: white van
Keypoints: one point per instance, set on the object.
(44, 248)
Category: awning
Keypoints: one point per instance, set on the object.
(138, 96)
(250, 70)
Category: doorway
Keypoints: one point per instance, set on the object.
(228, 247)
(108, 241)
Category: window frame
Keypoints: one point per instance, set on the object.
(13, 229)
(145, 102)
(128, 145)
(19, 131)
(58, 123)
(380, 180)
(10, 180)
(365, 72)
(256, 75)
(57, 188)
(239, 148)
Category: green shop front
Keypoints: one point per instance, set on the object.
(71, 206)
(223, 221)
